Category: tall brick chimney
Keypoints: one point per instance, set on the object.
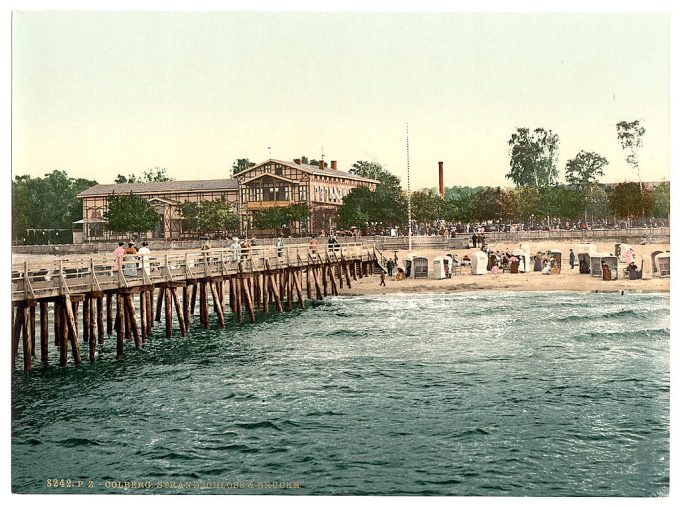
(321, 164)
(441, 180)
(297, 161)
(334, 165)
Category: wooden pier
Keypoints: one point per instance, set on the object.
(105, 289)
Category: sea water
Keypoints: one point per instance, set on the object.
(516, 393)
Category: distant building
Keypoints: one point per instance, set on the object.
(280, 183)
(166, 197)
(268, 184)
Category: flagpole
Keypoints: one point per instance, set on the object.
(408, 188)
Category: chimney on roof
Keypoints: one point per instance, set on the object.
(297, 161)
(321, 164)
(441, 180)
(334, 165)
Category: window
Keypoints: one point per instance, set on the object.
(278, 170)
(258, 193)
(244, 195)
(302, 193)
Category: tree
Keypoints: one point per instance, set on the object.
(375, 171)
(240, 165)
(426, 206)
(630, 136)
(630, 200)
(209, 216)
(280, 216)
(47, 203)
(130, 213)
(487, 204)
(595, 202)
(584, 169)
(148, 176)
(662, 200)
(533, 157)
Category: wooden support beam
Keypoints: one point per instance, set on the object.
(331, 277)
(319, 292)
(289, 289)
(232, 294)
(345, 269)
(31, 310)
(86, 319)
(127, 318)
(297, 274)
(17, 326)
(168, 313)
(44, 331)
(159, 303)
(337, 266)
(265, 292)
(239, 297)
(109, 314)
(72, 316)
(275, 292)
(248, 299)
(27, 340)
(193, 298)
(63, 334)
(185, 305)
(180, 312)
(149, 309)
(100, 320)
(324, 279)
(203, 304)
(354, 270)
(142, 315)
(132, 320)
(216, 304)
(120, 334)
(56, 326)
(92, 336)
(309, 283)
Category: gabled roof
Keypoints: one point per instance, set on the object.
(155, 187)
(276, 176)
(314, 169)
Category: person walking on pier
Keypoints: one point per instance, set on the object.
(130, 261)
(118, 254)
(236, 250)
(279, 247)
(144, 257)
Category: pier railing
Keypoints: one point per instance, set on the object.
(48, 278)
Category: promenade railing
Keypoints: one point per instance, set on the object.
(47, 278)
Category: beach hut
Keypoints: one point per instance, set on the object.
(442, 267)
(585, 257)
(663, 264)
(455, 263)
(611, 261)
(647, 269)
(479, 261)
(522, 257)
(596, 263)
(416, 266)
(654, 254)
(557, 255)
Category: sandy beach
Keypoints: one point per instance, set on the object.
(568, 279)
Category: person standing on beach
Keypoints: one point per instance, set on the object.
(390, 267)
(382, 279)
(572, 258)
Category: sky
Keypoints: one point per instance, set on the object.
(102, 93)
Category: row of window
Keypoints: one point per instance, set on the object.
(272, 192)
